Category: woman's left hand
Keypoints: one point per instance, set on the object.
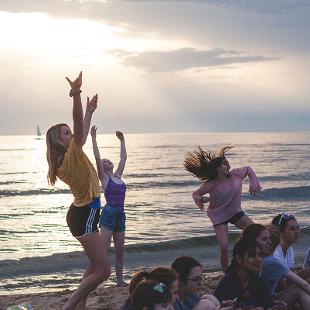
(91, 105)
(119, 135)
(254, 190)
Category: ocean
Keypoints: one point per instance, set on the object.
(38, 253)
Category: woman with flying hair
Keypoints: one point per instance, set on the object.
(225, 187)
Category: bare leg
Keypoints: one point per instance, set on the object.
(119, 240)
(97, 255)
(106, 236)
(293, 295)
(82, 303)
(221, 232)
(243, 222)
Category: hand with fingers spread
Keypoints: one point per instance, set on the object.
(119, 135)
(91, 105)
(75, 85)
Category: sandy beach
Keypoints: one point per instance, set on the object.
(104, 297)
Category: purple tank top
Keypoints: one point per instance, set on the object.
(115, 194)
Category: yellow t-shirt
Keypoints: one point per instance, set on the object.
(78, 172)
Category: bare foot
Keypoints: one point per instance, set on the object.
(121, 283)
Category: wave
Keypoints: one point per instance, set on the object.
(286, 193)
(290, 177)
(61, 262)
(40, 191)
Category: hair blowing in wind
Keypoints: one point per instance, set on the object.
(202, 163)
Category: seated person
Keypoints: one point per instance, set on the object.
(241, 283)
(164, 275)
(273, 270)
(190, 278)
(150, 295)
(289, 234)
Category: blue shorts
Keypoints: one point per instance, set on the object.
(113, 218)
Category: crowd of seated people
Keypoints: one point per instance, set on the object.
(262, 275)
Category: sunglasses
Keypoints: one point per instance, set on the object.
(286, 217)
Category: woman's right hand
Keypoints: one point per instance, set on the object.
(76, 84)
(93, 131)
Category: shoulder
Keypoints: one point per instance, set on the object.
(74, 148)
(272, 264)
(240, 172)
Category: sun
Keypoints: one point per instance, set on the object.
(47, 40)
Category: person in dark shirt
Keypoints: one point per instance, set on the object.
(241, 282)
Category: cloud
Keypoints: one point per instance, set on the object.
(187, 58)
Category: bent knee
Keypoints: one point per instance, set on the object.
(103, 274)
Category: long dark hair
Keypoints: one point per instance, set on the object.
(203, 164)
(183, 266)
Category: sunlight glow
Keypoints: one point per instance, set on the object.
(46, 40)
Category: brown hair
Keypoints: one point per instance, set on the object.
(55, 151)
(147, 294)
(203, 164)
(137, 278)
(274, 236)
(252, 231)
(164, 275)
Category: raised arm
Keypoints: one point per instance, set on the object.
(77, 109)
(198, 195)
(100, 170)
(123, 154)
(91, 106)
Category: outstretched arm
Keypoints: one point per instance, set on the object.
(100, 170)
(91, 106)
(77, 109)
(123, 154)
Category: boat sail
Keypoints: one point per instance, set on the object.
(38, 136)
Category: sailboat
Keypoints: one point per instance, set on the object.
(38, 136)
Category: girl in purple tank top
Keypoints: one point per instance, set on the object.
(224, 187)
(112, 219)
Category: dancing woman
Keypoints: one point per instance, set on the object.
(68, 162)
(224, 187)
(112, 219)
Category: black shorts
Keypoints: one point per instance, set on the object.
(232, 220)
(83, 220)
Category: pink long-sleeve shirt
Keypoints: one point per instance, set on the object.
(225, 195)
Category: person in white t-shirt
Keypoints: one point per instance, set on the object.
(289, 234)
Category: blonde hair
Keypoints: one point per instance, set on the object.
(55, 151)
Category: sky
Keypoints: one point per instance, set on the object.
(157, 66)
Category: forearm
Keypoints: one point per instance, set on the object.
(254, 182)
(123, 153)
(96, 149)
(86, 124)
(298, 281)
(77, 119)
